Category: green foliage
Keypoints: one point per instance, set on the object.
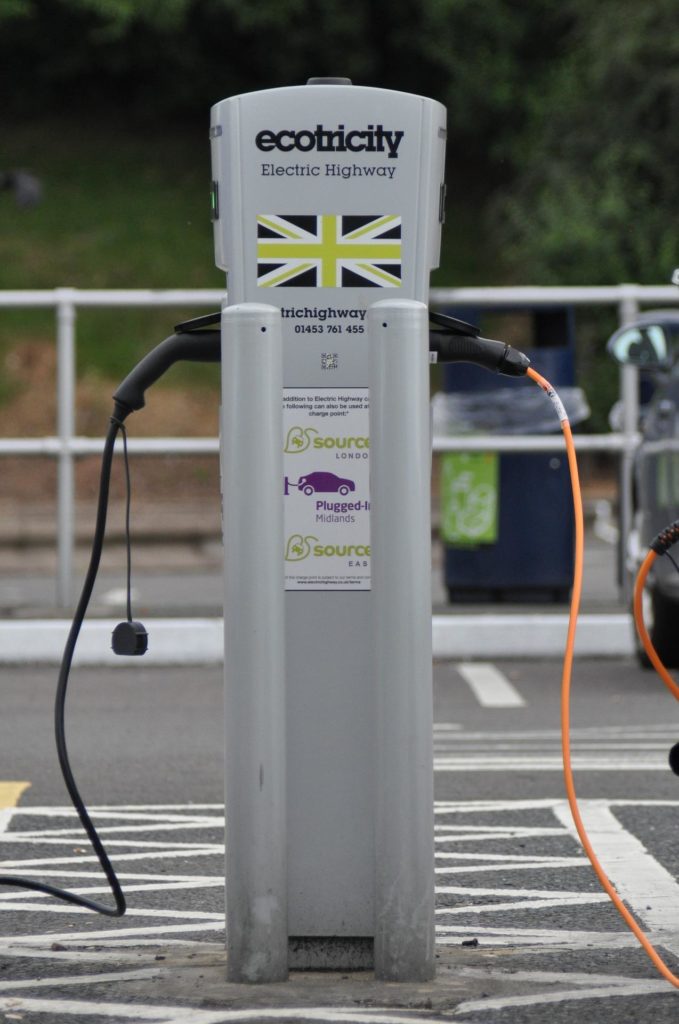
(594, 194)
(119, 211)
(174, 58)
(563, 148)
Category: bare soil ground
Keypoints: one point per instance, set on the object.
(31, 412)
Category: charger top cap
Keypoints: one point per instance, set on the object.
(327, 191)
(329, 81)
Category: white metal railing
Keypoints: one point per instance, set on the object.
(65, 446)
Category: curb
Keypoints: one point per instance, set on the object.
(200, 641)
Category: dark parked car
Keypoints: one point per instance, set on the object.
(652, 343)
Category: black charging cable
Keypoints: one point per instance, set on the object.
(130, 637)
(60, 704)
(190, 344)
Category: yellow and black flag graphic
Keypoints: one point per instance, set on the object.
(328, 250)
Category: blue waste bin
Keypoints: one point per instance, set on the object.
(510, 534)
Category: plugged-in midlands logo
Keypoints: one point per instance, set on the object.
(374, 138)
(299, 547)
(328, 250)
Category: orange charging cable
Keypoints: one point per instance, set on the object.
(568, 670)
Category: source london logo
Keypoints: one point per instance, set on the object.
(298, 439)
(328, 250)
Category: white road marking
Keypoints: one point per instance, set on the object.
(452, 934)
(470, 834)
(646, 886)
(631, 748)
(123, 876)
(20, 907)
(447, 807)
(54, 981)
(596, 986)
(479, 890)
(200, 850)
(491, 687)
(118, 1011)
(532, 764)
(529, 865)
(114, 936)
(120, 951)
(10, 794)
(96, 890)
(150, 812)
(168, 826)
(186, 1015)
(584, 899)
(118, 955)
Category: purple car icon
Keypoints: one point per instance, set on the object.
(326, 483)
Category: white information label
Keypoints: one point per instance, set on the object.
(327, 488)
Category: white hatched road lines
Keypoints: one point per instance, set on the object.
(649, 890)
(539, 866)
(583, 986)
(608, 748)
(623, 856)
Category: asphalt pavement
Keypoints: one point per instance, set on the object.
(523, 928)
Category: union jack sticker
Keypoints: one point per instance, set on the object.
(328, 251)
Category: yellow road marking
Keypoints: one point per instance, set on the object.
(10, 793)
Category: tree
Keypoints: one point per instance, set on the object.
(594, 195)
(174, 58)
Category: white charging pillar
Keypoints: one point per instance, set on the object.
(400, 442)
(254, 648)
(327, 197)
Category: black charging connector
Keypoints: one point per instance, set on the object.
(454, 341)
(195, 346)
(492, 355)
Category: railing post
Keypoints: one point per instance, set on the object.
(628, 311)
(65, 318)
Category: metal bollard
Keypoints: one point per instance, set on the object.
(401, 555)
(254, 674)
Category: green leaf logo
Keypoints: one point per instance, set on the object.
(298, 547)
(298, 439)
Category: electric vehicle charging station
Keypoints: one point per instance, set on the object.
(327, 204)
(328, 668)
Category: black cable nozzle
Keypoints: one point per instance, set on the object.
(666, 538)
(493, 355)
(196, 347)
